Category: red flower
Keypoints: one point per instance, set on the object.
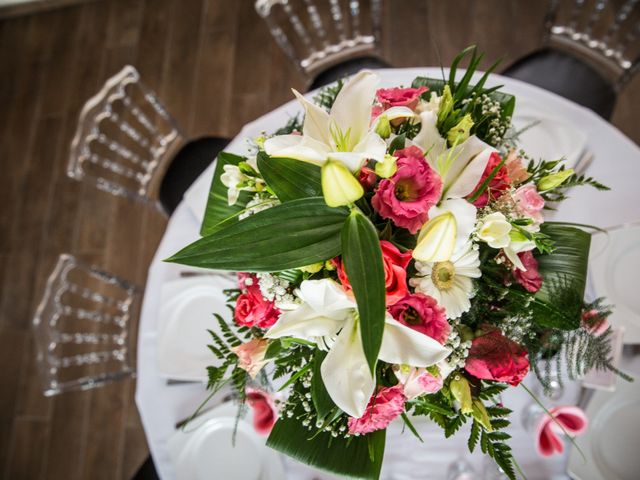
(423, 314)
(530, 278)
(493, 356)
(407, 196)
(382, 409)
(252, 309)
(367, 178)
(400, 97)
(264, 413)
(395, 272)
(498, 184)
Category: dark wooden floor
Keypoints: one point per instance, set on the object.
(214, 65)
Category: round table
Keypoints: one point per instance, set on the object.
(616, 164)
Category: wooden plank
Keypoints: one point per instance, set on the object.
(25, 456)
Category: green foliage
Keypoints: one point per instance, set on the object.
(218, 209)
(290, 179)
(322, 402)
(300, 232)
(294, 124)
(327, 95)
(362, 258)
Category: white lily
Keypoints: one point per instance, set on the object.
(344, 134)
(329, 318)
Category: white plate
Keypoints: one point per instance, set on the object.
(611, 442)
(204, 449)
(187, 309)
(548, 137)
(615, 274)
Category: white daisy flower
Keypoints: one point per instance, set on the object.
(450, 282)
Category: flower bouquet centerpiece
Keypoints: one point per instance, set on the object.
(395, 263)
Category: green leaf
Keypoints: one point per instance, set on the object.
(218, 208)
(321, 399)
(558, 303)
(290, 235)
(362, 258)
(348, 457)
(290, 179)
(397, 144)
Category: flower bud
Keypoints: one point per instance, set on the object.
(383, 127)
(339, 186)
(461, 131)
(554, 180)
(387, 167)
(437, 239)
(446, 104)
(480, 414)
(461, 391)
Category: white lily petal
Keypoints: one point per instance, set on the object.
(316, 120)
(514, 249)
(325, 296)
(404, 346)
(304, 322)
(346, 374)
(459, 158)
(373, 146)
(429, 138)
(465, 215)
(280, 142)
(305, 148)
(352, 160)
(396, 112)
(351, 110)
(470, 176)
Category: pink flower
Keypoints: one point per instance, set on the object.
(423, 314)
(395, 272)
(242, 279)
(498, 184)
(573, 421)
(529, 202)
(516, 170)
(264, 412)
(530, 278)
(253, 310)
(493, 356)
(407, 197)
(382, 409)
(595, 322)
(367, 178)
(400, 97)
(376, 110)
(417, 381)
(251, 355)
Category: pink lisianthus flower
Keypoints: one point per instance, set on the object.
(382, 409)
(395, 272)
(264, 411)
(493, 356)
(400, 97)
(594, 322)
(498, 184)
(530, 278)
(423, 314)
(417, 381)
(252, 309)
(529, 203)
(407, 196)
(251, 355)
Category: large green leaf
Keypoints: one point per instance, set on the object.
(218, 208)
(559, 302)
(290, 235)
(290, 179)
(322, 401)
(362, 258)
(356, 457)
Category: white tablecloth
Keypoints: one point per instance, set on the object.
(616, 164)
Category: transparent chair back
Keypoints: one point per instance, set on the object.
(318, 34)
(604, 32)
(84, 328)
(124, 139)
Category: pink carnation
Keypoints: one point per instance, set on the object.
(529, 202)
(264, 411)
(423, 314)
(400, 97)
(530, 278)
(406, 197)
(252, 309)
(251, 355)
(382, 409)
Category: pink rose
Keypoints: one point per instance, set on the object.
(423, 314)
(493, 356)
(529, 202)
(251, 355)
(400, 97)
(406, 197)
(264, 412)
(395, 272)
(595, 322)
(253, 310)
(530, 278)
(417, 381)
(498, 184)
(516, 169)
(382, 409)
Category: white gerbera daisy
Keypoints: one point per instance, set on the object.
(450, 282)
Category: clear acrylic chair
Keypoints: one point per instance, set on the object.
(591, 50)
(84, 328)
(317, 36)
(124, 139)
